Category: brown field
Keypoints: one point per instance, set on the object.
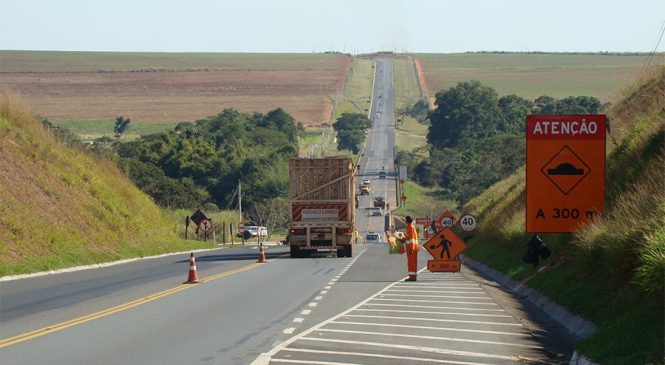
(303, 85)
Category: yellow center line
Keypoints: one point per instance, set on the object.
(103, 313)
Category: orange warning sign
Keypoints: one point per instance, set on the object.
(444, 265)
(444, 247)
(565, 171)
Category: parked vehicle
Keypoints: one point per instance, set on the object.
(322, 200)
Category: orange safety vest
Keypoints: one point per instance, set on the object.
(411, 237)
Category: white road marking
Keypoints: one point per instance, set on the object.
(437, 313)
(453, 339)
(520, 334)
(288, 331)
(436, 307)
(298, 320)
(324, 292)
(319, 297)
(439, 290)
(327, 287)
(306, 312)
(434, 296)
(292, 361)
(433, 301)
(312, 304)
(382, 356)
(439, 320)
(417, 348)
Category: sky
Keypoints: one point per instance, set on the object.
(350, 26)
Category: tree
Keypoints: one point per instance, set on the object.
(464, 113)
(121, 126)
(271, 213)
(351, 128)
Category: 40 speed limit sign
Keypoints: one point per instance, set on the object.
(468, 223)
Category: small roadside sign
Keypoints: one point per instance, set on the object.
(241, 227)
(468, 223)
(444, 247)
(565, 171)
(447, 219)
(205, 225)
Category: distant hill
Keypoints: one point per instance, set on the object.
(61, 207)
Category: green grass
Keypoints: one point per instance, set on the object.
(533, 75)
(92, 128)
(407, 91)
(423, 202)
(410, 134)
(358, 91)
(611, 272)
(57, 61)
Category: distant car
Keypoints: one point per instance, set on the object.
(372, 237)
(365, 181)
(375, 212)
(379, 202)
(377, 115)
(382, 175)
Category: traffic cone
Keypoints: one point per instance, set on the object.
(262, 255)
(193, 277)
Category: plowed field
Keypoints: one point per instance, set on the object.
(181, 87)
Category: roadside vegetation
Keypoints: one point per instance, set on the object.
(612, 271)
(61, 207)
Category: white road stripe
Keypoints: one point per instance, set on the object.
(298, 320)
(433, 301)
(319, 297)
(434, 296)
(520, 334)
(440, 290)
(289, 330)
(306, 312)
(324, 292)
(438, 320)
(453, 339)
(417, 348)
(292, 361)
(327, 287)
(437, 313)
(312, 304)
(382, 356)
(436, 307)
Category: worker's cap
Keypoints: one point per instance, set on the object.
(409, 219)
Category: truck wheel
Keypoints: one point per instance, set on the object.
(295, 252)
(340, 252)
(348, 251)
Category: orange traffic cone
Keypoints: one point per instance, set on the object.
(262, 255)
(193, 277)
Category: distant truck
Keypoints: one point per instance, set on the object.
(364, 190)
(322, 202)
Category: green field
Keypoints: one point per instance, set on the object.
(531, 75)
(91, 129)
(405, 82)
(54, 61)
(410, 134)
(423, 202)
(358, 90)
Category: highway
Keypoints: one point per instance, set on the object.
(319, 310)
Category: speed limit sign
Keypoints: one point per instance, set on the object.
(468, 223)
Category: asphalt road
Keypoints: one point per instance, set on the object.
(319, 310)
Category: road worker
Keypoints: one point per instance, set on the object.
(411, 248)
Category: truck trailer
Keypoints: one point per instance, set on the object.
(321, 198)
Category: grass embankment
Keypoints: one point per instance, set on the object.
(423, 202)
(612, 271)
(91, 129)
(532, 75)
(405, 80)
(60, 207)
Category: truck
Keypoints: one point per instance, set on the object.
(364, 189)
(322, 206)
(379, 202)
